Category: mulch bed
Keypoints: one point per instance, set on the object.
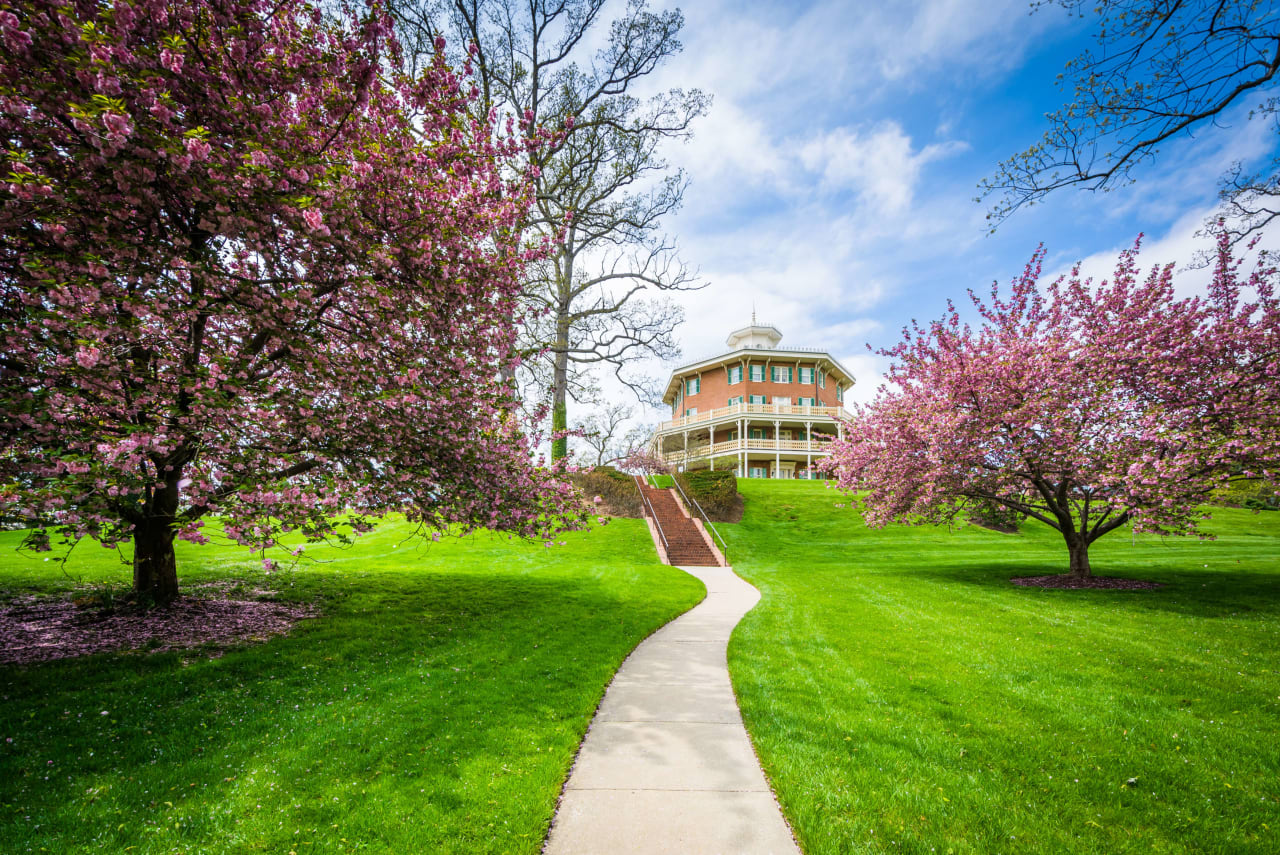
(36, 629)
(1067, 581)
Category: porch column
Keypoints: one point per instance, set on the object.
(711, 443)
(777, 449)
(685, 466)
(808, 450)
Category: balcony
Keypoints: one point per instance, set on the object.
(740, 410)
(703, 450)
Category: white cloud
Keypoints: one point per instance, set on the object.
(731, 148)
(868, 375)
(1180, 245)
(988, 36)
(880, 165)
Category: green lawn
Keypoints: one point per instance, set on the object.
(904, 697)
(435, 707)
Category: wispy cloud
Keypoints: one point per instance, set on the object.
(881, 166)
(833, 179)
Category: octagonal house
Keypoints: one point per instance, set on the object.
(759, 409)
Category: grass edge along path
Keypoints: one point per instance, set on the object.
(435, 706)
(903, 696)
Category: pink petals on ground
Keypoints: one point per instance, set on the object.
(43, 629)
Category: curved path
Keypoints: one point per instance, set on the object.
(666, 766)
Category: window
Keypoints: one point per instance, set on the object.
(782, 400)
(692, 411)
(806, 376)
(758, 472)
(822, 378)
(784, 433)
(807, 402)
(755, 399)
(736, 399)
(782, 373)
(735, 374)
(757, 373)
(757, 433)
(839, 393)
(693, 386)
(733, 434)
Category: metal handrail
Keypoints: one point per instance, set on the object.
(723, 546)
(653, 516)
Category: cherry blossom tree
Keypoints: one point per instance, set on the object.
(1083, 406)
(248, 270)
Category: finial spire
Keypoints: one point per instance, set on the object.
(753, 314)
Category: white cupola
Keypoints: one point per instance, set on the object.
(756, 336)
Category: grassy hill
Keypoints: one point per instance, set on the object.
(905, 697)
(435, 706)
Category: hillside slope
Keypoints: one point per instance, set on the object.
(435, 706)
(904, 696)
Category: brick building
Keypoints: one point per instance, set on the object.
(758, 409)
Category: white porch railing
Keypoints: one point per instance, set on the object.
(754, 410)
(732, 446)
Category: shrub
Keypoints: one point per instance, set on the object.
(716, 492)
(1255, 495)
(617, 489)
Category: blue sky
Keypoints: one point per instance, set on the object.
(833, 180)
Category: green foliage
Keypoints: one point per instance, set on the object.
(716, 492)
(617, 489)
(994, 516)
(1255, 495)
(903, 696)
(436, 706)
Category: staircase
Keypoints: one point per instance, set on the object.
(686, 544)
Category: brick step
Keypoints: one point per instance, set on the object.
(685, 544)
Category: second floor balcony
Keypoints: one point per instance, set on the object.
(703, 450)
(793, 412)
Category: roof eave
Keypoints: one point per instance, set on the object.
(735, 355)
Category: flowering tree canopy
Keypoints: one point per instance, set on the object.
(248, 271)
(1082, 406)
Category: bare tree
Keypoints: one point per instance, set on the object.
(607, 437)
(1163, 69)
(602, 186)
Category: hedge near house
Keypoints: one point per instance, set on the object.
(716, 492)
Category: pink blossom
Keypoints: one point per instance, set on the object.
(171, 60)
(87, 357)
(197, 148)
(1086, 406)
(118, 127)
(265, 394)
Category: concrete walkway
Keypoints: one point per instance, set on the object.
(666, 766)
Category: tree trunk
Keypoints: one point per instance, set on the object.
(560, 387)
(155, 567)
(1079, 550)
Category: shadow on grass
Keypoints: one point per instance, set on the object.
(414, 698)
(1206, 592)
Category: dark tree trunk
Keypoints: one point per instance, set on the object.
(1079, 550)
(155, 567)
